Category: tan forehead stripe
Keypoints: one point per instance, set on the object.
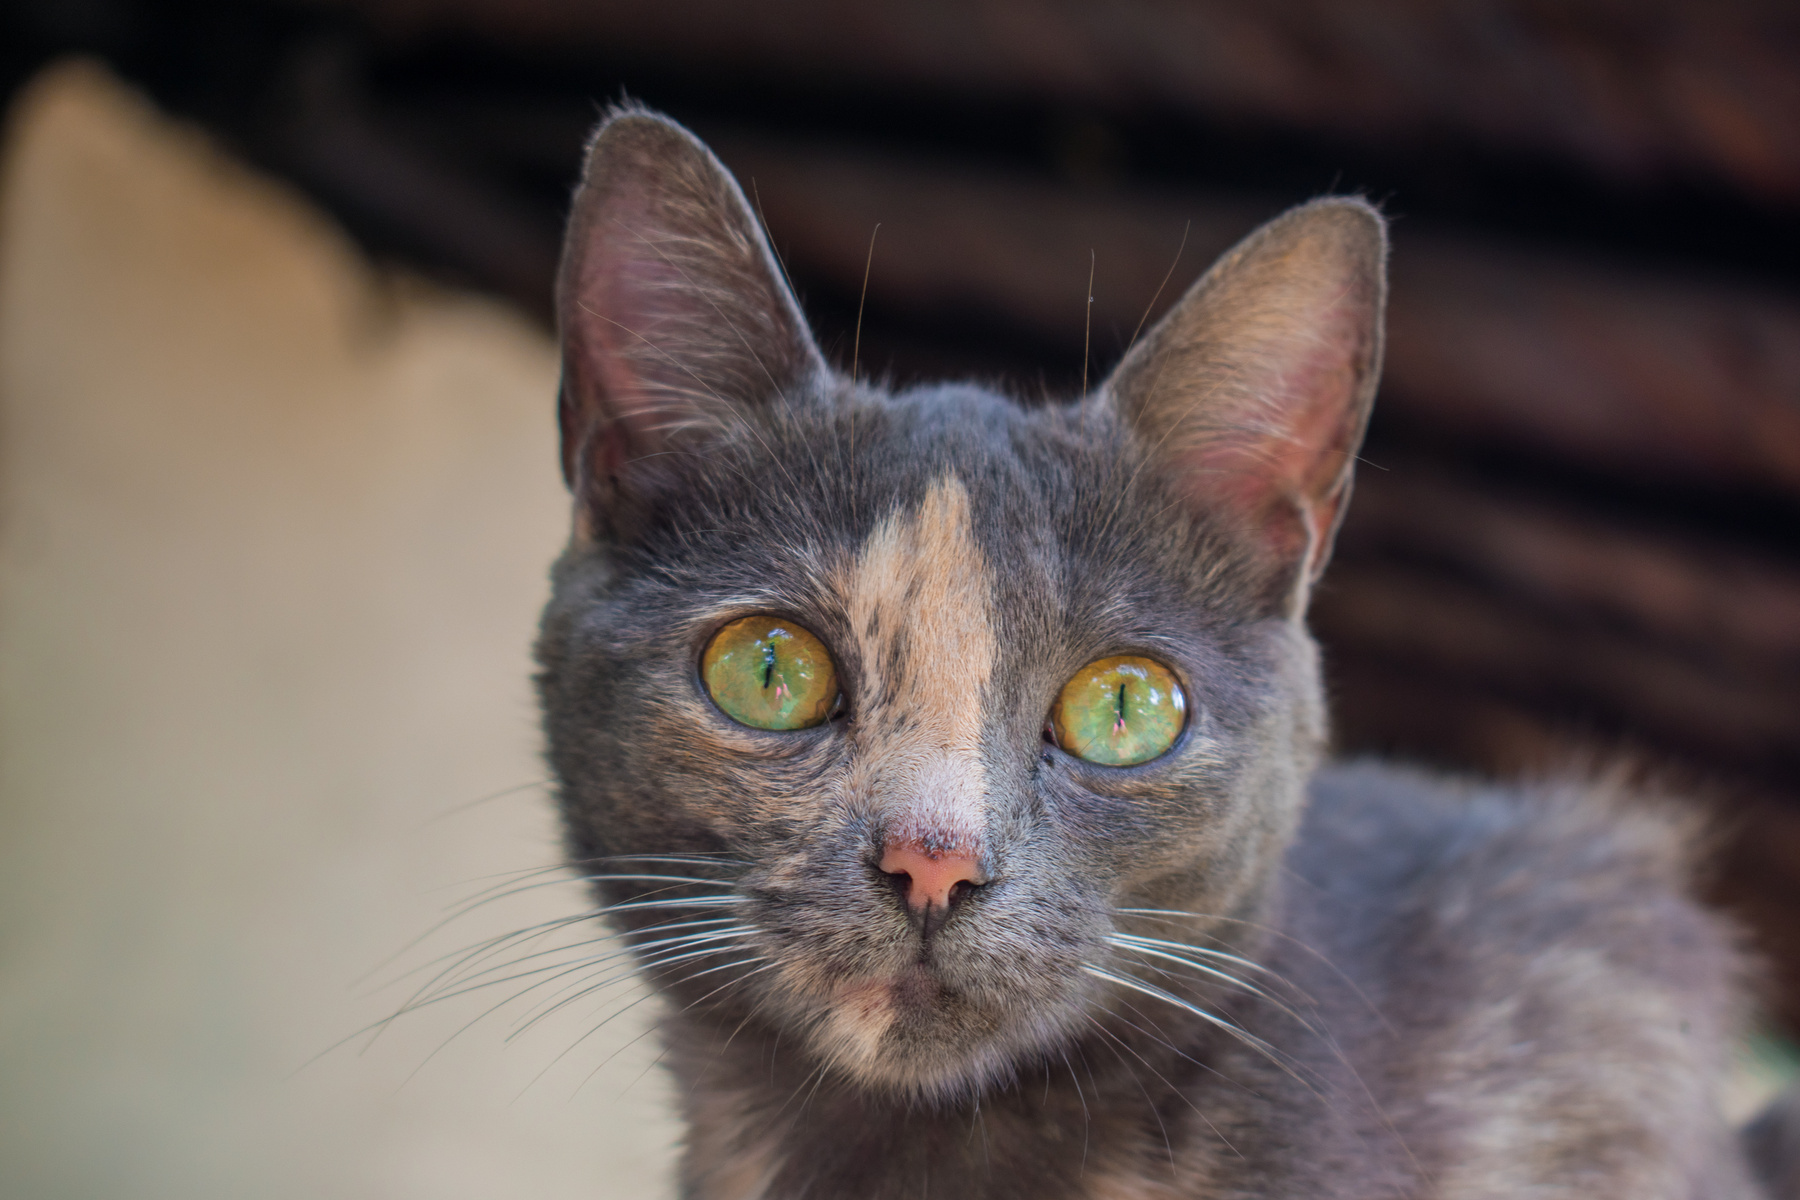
(923, 582)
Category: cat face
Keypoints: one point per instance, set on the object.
(924, 891)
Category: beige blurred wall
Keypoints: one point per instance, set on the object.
(273, 533)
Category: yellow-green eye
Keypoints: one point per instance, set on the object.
(770, 674)
(1119, 712)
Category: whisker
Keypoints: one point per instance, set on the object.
(1165, 955)
(570, 1048)
(674, 902)
(503, 1003)
(1154, 1110)
(627, 1008)
(1086, 1118)
(510, 877)
(1087, 326)
(1172, 1088)
(622, 876)
(1157, 295)
(505, 879)
(1158, 1034)
(415, 1003)
(478, 953)
(1151, 990)
(464, 807)
(1331, 1043)
(661, 947)
(504, 876)
(1275, 1057)
(628, 947)
(488, 943)
(798, 1088)
(544, 928)
(640, 904)
(560, 969)
(1231, 979)
(862, 301)
(488, 947)
(694, 859)
(1190, 948)
(673, 880)
(1169, 914)
(668, 958)
(658, 1059)
(619, 978)
(491, 895)
(555, 970)
(689, 898)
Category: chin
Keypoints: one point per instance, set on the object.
(910, 1037)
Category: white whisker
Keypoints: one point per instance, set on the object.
(1166, 956)
(1149, 989)
(613, 1016)
(707, 945)
(609, 937)
(1189, 948)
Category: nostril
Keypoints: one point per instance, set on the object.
(900, 881)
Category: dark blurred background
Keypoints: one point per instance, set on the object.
(1577, 531)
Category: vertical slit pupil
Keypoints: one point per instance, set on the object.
(1121, 704)
(768, 662)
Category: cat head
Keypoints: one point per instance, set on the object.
(873, 712)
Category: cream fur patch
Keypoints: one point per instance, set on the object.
(921, 606)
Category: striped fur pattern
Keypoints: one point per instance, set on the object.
(1221, 973)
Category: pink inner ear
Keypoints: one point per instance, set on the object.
(1281, 473)
(633, 308)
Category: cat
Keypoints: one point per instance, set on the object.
(954, 766)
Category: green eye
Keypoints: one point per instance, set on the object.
(768, 673)
(1119, 712)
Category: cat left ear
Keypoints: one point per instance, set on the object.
(1254, 391)
(672, 310)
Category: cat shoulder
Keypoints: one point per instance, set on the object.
(1512, 869)
(1535, 941)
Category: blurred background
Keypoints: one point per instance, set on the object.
(1576, 536)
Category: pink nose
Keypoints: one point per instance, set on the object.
(933, 878)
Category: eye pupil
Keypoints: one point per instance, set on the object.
(1101, 718)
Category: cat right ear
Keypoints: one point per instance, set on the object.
(1254, 391)
(672, 311)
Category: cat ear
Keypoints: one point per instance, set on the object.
(671, 307)
(1254, 391)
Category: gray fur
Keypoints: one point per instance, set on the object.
(1395, 986)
